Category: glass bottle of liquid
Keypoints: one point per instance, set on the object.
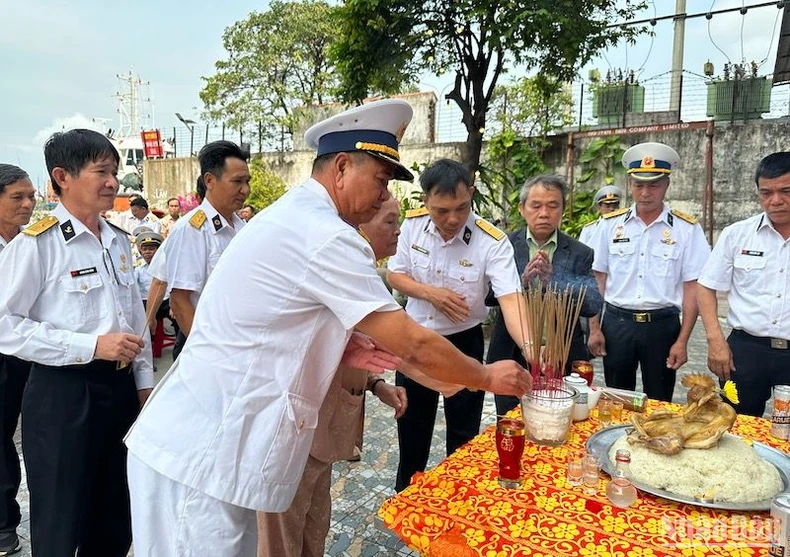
(620, 491)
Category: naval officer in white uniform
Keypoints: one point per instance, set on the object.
(273, 322)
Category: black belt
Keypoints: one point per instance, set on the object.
(96, 366)
(643, 316)
(775, 343)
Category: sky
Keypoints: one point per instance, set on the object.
(59, 59)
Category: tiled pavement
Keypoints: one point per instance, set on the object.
(359, 488)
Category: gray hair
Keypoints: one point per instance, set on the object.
(10, 174)
(548, 181)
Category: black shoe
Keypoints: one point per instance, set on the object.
(9, 543)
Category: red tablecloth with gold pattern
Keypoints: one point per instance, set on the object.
(459, 509)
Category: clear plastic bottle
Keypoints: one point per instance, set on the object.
(620, 491)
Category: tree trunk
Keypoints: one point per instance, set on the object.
(470, 151)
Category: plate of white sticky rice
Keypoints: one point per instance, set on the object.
(736, 474)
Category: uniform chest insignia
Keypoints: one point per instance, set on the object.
(684, 216)
(616, 213)
(124, 268)
(467, 235)
(752, 252)
(67, 230)
(41, 226)
(217, 222)
(419, 212)
(490, 229)
(198, 218)
(667, 239)
(122, 258)
(619, 232)
(421, 249)
(465, 263)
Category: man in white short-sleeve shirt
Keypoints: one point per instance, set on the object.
(270, 330)
(751, 262)
(198, 239)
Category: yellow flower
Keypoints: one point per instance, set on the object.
(694, 551)
(420, 543)
(567, 531)
(474, 537)
(522, 528)
(459, 508)
(594, 549)
(501, 508)
(640, 552)
(494, 553)
(469, 472)
(654, 526)
(613, 524)
(545, 503)
(730, 391)
(443, 490)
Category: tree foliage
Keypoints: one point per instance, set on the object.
(276, 61)
(524, 112)
(266, 187)
(385, 44)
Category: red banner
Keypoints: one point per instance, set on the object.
(152, 144)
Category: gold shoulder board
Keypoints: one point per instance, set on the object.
(490, 229)
(198, 218)
(684, 216)
(616, 213)
(411, 213)
(593, 223)
(41, 226)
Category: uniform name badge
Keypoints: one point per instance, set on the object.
(752, 252)
(420, 249)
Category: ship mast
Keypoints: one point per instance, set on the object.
(129, 100)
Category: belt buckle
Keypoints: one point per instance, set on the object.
(779, 343)
(642, 317)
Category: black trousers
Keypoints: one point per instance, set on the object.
(630, 344)
(73, 422)
(758, 367)
(13, 376)
(181, 340)
(463, 412)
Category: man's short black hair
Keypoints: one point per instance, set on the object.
(443, 177)
(139, 202)
(73, 150)
(773, 166)
(213, 155)
(10, 174)
(200, 188)
(173, 199)
(320, 162)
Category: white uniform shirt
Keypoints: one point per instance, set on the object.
(751, 261)
(646, 266)
(148, 220)
(192, 252)
(269, 332)
(3, 243)
(588, 233)
(465, 264)
(157, 269)
(62, 289)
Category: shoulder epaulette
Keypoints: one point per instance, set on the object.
(490, 229)
(684, 216)
(198, 218)
(41, 226)
(616, 213)
(592, 223)
(420, 212)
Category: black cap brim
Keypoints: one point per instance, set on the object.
(401, 172)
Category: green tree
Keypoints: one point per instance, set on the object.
(266, 187)
(277, 60)
(384, 44)
(524, 112)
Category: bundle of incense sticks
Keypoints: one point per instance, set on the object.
(550, 314)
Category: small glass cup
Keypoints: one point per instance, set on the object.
(605, 412)
(590, 481)
(616, 411)
(510, 447)
(585, 370)
(575, 470)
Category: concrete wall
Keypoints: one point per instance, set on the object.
(166, 178)
(422, 128)
(737, 148)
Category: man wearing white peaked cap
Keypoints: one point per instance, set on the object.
(228, 430)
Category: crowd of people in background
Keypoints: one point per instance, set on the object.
(282, 319)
